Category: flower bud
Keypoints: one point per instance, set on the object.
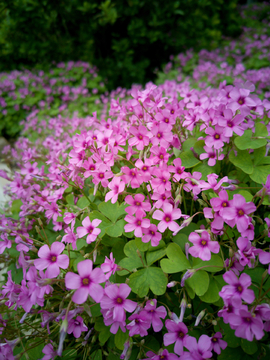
(199, 317)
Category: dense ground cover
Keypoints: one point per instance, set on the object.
(142, 231)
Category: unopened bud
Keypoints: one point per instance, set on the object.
(171, 284)
(58, 238)
(40, 222)
(199, 317)
(187, 275)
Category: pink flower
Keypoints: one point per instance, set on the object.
(141, 137)
(246, 326)
(151, 234)
(139, 325)
(217, 343)
(137, 203)
(137, 223)
(237, 289)
(76, 326)
(109, 266)
(153, 314)
(203, 246)
(167, 218)
(117, 187)
(242, 209)
(212, 155)
(198, 351)
(89, 228)
(86, 283)
(51, 259)
(115, 298)
(177, 334)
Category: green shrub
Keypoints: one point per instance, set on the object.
(127, 40)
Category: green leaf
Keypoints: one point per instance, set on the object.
(242, 142)
(188, 159)
(141, 245)
(36, 351)
(146, 278)
(104, 335)
(199, 282)
(186, 145)
(132, 261)
(83, 202)
(198, 147)
(247, 195)
(120, 339)
(153, 256)
(242, 160)
(181, 240)
(70, 199)
(232, 354)
(215, 260)
(249, 347)
(212, 294)
(259, 155)
(260, 129)
(116, 230)
(112, 211)
(260, 174)
(204, 169)
(257, 143)
(96, 355)
(77, 261)
(177, 260)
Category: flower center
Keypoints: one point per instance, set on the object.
(167, 218)
(166, 120)
(224, 204)
(239, 288)
(92, 168)
(214, 339)
(229, 124)
(240, 212)
(217, 136)
(158, 135)
(139, 222)
(140, 137)
(101, 176)
(85, 281)
(53, 258)
(240, 101)
(144, 168)
(247, 319)
(172, 111)
(137, 203)
(119, 300)
(203, 242)
(161, 156)
(132, 173)
(179, 171)
(76, 322)
(181, 334)
(137, 321)
(152, 232)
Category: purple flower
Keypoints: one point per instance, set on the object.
(137, 223)
(153, 314)
(246, 326)
(51, 259)
(237, 289)
(242, 209)
(115, 299)
(139, 324)
(198, 351)
(50, 354)
(177, 334)
(217, 343)
(76, 326)
(203, 246)
(109, 266)
(162, 355)
(86, 283)
(89, 228)
(167, 217)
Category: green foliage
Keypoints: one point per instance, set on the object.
(124, 39)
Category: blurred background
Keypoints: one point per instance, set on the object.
(126, 39)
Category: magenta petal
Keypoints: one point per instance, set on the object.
(52, 271)
(77, 332)
(170, 338)
(119, 314)
(230, 277)
(248, 296)
(129, 305)
(86, 222)
(80, 295)
(81, 231)
(124, 290)
(62, 261)
(96, 291)
(44, 252)
(158, 215)
(85, 267)
(178, 347)
(41, 264)
(97, 276)
(72, 281)
(57, 248)
(106, 302)
(204, 343)
(112, 291)
(194, 237)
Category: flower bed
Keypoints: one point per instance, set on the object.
(143, 232)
